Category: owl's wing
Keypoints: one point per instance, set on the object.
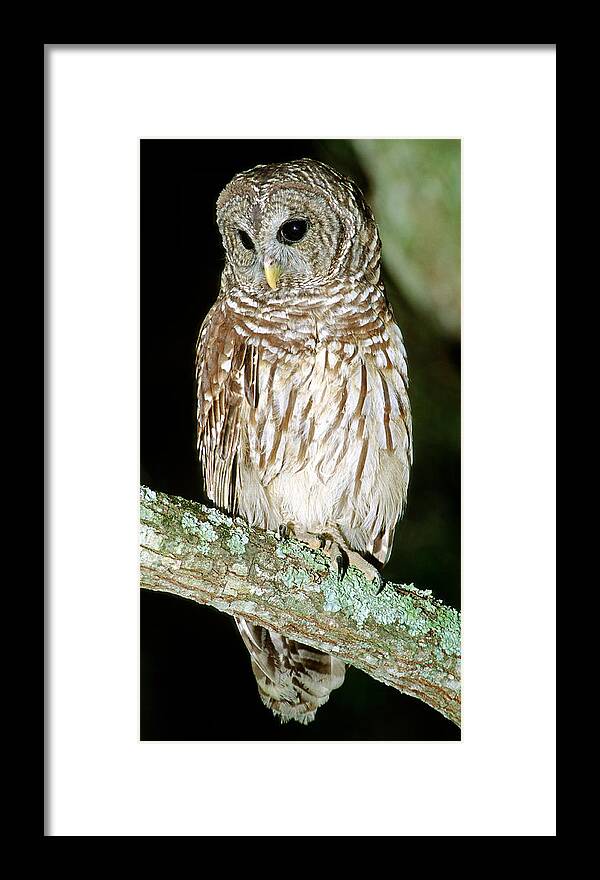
(388, 382)
(226, 378)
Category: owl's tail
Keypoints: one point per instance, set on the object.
(293, 679)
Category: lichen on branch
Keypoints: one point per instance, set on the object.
(402, 636)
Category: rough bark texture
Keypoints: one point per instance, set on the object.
(403, 637)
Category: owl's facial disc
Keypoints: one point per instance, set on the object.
(281, 237)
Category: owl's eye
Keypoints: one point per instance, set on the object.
(292, 231)
(246, 240)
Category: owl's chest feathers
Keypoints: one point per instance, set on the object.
(304, 411)
(333, 316)
(327, 430)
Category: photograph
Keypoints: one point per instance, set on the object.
(300, 439)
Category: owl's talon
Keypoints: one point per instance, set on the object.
(342, 566)
(366, 568)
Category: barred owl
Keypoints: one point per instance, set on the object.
(303, 414)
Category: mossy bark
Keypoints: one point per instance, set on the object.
(402, 636)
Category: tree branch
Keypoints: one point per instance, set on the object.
(403, 637)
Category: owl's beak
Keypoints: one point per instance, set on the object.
(272, 272)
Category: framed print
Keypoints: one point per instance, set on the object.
(301, 361)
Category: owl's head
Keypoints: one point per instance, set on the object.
(295, 224)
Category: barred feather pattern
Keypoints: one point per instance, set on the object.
(303, 411)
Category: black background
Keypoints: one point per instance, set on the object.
(196, 681)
